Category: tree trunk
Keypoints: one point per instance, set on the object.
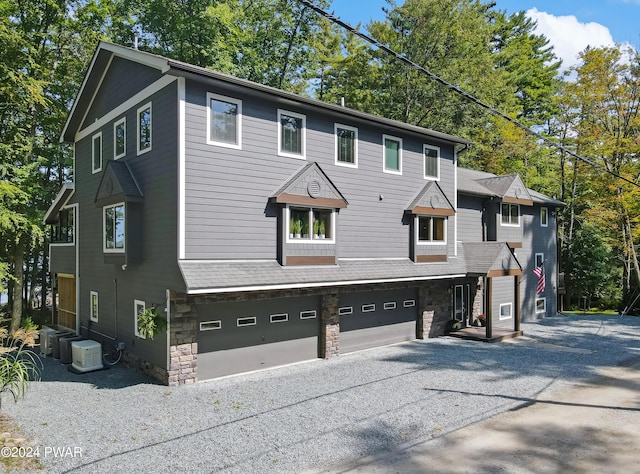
(16, 310)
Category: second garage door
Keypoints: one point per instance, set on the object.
(377, 318)
(237, 337)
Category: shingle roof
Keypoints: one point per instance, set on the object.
(218, 276)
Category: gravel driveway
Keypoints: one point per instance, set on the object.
(311, 415)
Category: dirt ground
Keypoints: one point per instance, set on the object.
(585, 428)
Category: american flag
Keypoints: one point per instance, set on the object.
(539, 272)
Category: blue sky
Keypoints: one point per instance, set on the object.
(570, 25)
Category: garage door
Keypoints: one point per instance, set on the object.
(377, 318)
(244, 336)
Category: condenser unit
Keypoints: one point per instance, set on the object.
(45, 343)
(87, 356)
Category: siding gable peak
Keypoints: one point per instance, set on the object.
(431, 200)
(117, 184)
(310, 186)
(509, 187)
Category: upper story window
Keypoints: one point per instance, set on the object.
(144, 129)
(510, 214)
(62, 231)
(114, 228)
(291, 134)
(431, 162)
(431, 229)
(120, 138)
(224, 118)
(96, 153)
(544, 217)
(392, 150)
(346, 145)
(312, 225)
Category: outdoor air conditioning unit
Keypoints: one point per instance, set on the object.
(45, 342)
(87, 356)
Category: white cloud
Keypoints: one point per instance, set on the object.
(568, 36)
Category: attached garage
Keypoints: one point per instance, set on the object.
(377, 318)
(235, 337)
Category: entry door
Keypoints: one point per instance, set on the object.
(67, 301)
(461, 303)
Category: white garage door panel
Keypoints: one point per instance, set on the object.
(245, 359)
(375, 337)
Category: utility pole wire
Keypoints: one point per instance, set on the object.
(458, 90)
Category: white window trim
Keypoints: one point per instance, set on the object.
(345, 310)
(390, 305)
(384, 153)
(431, 242)
(210, 325)
(500, 317)
(148, 105)
(535, 259)
(93, 317)
(122, 121)
(544, 305)
(546, 222)
(279, 318)
(519, 216)
(246, 321)
(95, 137)
(424, 163)
(310, 239)
(302, 155)
(238, 103)
(136, 304)
(336, 126)
(368, 308)
(308, 314)
(409, 303)
(104, 233)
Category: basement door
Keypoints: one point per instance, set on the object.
(236, 337)
(377, 318)
(67, 301)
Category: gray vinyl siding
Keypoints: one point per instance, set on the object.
(469, 219)
(227, 190)
(62, 259)
(538, 239)
(122, 80)
(503, 292)
(156, 173)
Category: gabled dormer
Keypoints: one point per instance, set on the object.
(308, 204)
(428, 213)
(503, 213)
(120, 198)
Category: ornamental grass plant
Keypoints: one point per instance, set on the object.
(19, 365)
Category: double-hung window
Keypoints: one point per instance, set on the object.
(311, 225)
(96, 153)
(291, 134)
(138, 308)
(224, 120)
(93, 309)
(431, 229)
(431, 162)
(346, 145)
(120, 138)
(144, 129)
(510, 214)
(392, 154)
(114, 228)
(544, 217)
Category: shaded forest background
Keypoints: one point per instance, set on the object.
(592, 109)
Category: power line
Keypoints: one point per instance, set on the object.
(459, 91)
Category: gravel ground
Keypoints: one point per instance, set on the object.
(312, 415)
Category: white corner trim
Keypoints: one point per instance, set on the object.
(181, 168)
